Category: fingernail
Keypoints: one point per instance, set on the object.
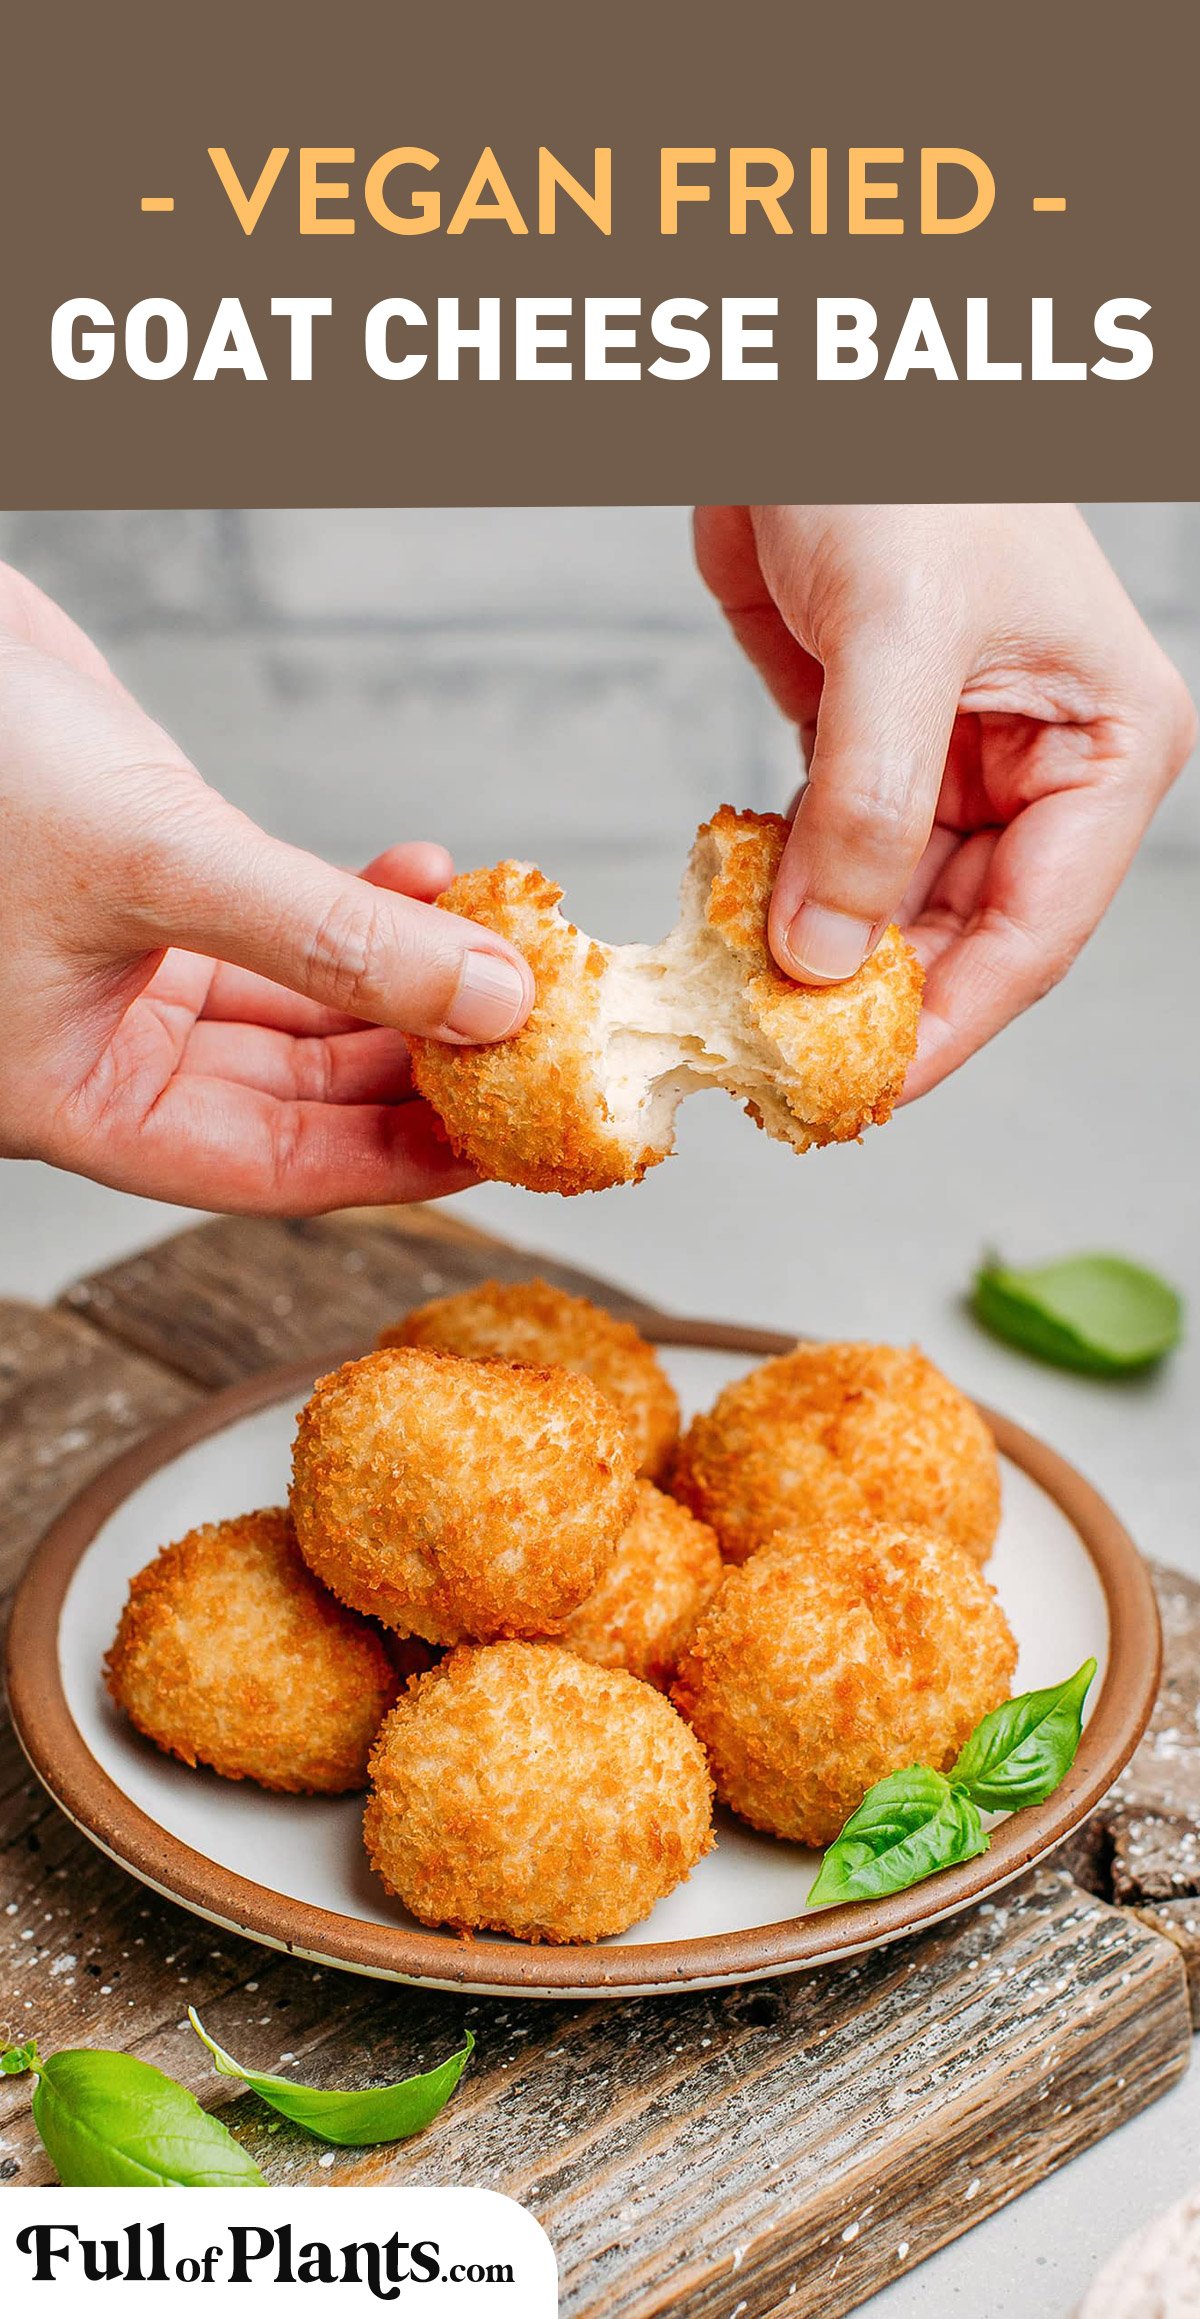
(490, 998)
(826, 945)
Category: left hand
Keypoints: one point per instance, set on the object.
(190, 1009)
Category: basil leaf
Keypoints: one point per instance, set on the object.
(16, 2059)
(1100, 1314)
(388, 2113)
(1020, 1752)
(109, 2120)
(906, 1828)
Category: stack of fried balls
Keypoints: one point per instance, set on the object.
(545, 1631)
(505, 1595)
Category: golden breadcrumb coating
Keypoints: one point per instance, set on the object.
(456, 1498)
(531, 1110)
(409, 1654)
(229, 1653)
(842, 1050)
(831, 1433)
(529, 1320)
(585, 1095)
(667, 1568)
(833, 1657)
(518, 1789)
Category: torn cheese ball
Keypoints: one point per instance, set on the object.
(585, 1095)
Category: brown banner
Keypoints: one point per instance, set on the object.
(419, 154)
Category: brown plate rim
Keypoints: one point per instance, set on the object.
(59, 1755)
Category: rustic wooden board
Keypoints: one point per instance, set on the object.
(1142, 1848)
(70, 1401)
(825, 2131)
(238, 1295)
(794, 2145)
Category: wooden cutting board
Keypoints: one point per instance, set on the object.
(789, 2146)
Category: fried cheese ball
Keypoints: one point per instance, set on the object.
(518, 1789)
(833, 1657)
(586, 1094)
(667, 1568)
(531, 1321)
(832, 1433)
(456, 1498)
(229, 1653)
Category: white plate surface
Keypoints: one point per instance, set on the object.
(309, 1848)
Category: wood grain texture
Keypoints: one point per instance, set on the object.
(1153, 1815)
(821, 2133)
(784, 2143)
(1142, 1848)
(788, 2146)
(70, 1400)
(238, 1295)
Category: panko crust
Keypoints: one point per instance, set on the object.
(531, 1109)
(229, 1653)
(828, 1433)
(519, 1789)
(836, 1656)
(532, 1321)
(454, 1498)
(535, 1109)
(846, 1046)
(666, 1570)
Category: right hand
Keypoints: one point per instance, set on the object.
(988, 727)
(190, 1009)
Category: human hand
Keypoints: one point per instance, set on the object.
(188, 1008)
(988, 727)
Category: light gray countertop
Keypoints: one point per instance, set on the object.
(1079, 1128)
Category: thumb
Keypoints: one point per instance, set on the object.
(219, 885)
(883, 731)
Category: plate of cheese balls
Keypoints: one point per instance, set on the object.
(534, 1654)
(523, 1653)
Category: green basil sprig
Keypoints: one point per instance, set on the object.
(1020, 1752)
(906, 1828)
(16, 2059)
(111, 2121)
(388, 2113)
(1100, 1314)
(917, 1821)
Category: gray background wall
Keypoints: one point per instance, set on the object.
(544, 681)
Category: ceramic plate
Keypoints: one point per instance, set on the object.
(291, 1871)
